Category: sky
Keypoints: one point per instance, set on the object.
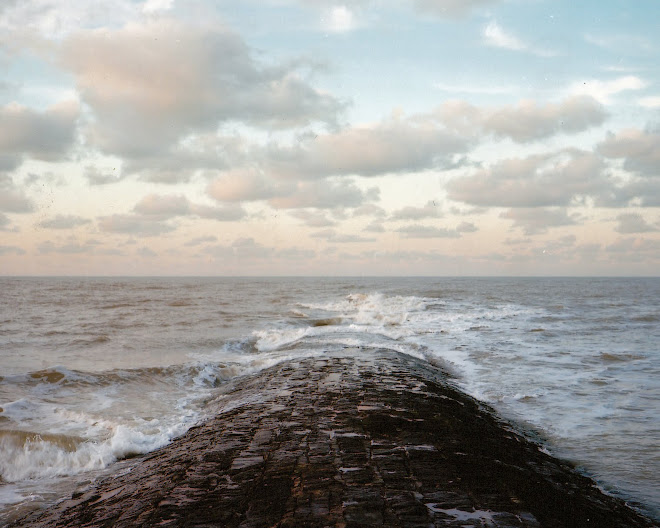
(310, 137)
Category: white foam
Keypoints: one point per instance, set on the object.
(273, 339)
(38, 457)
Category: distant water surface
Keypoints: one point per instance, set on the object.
(94, 370)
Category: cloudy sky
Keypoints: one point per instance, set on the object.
(269, 137)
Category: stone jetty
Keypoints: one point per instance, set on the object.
(358, 438)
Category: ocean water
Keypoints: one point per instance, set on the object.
(96, 370)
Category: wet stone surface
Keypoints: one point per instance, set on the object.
(382, 440)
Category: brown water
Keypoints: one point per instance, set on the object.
(96, 370)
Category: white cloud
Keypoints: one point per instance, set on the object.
(524, 122)
(423, 231)
(374, 227)
(11, 250)
(529, 121)
(227, 213)
(370, 210)
(331, 236)
(241, 248)
(201, 240)
(640, 150)
(633, 223)
(150, 85)
(13, 199)
(534, 221)
(64, 222)
(54, 19)
(153, 6)
(430, 210)
(68, 248)
(161, 207)
(558, 178)
(103, 176)
(650, 102)
(467, 227)
(46, 135)
(322, 194)
(313, 218)
(391, 146)
(495, 35)
(338, 19)
(451, 8)
(243, 184)
(137, 225)
(603, 91)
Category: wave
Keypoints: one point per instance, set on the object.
(31, 455)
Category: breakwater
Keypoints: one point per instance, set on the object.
(386, 440)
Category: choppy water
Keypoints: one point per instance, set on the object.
(96, 370)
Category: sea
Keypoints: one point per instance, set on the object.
(94, 371)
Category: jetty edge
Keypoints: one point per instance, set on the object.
(355, 438)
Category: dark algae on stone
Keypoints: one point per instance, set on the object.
(355, 439)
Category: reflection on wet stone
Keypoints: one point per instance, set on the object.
(380, 441)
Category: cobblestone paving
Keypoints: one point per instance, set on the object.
(356, 439)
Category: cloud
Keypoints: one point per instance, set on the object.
(331, 236)
(243, 184)
(338, 19)
(210, 151)
(227, 213)
(650, 102)
(435, 140)
(131, 224)
(633, 223)
(245, 251)
(422, 231)
(46, 135)
(644, 192)
(70, 248)
(391, 146)
(296, 254)
(162, 207)
(200, 240)
(146, 252)
(151, 84)
(313, 218)
(64, 222)
(495, 35)
(467, 227)
(11, 250)
(153, 6)
(13, 200)
(639, 150)
(375, 227)
(98, 176)
(430, 210)
(534, 221)
(54, 19)
(635, 249)
(603, 91)
(369, 210)
(323, 194)
(527, 121)
(553, 179)
(451, 8)
(241, 248)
